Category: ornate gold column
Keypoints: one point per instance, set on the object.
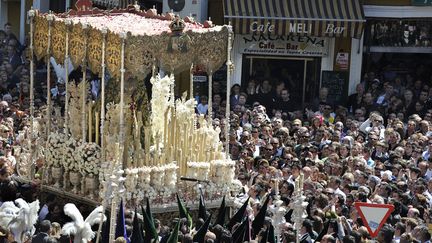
(210, 97)
(228, 91)
(191, 93)
(102, 122)
(122, 74)
(117, 197)
(50, 18)
(31, 15)
(84, 88)
(66, 64)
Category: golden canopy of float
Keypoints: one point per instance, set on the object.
(150, 39)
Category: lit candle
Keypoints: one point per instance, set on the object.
(147, 159)
(301, 181)
(165, 135)
(181, 165)
(157, 140)
(277, 187)
(97, 127)
(117, 152)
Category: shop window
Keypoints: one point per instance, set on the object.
(399, 33)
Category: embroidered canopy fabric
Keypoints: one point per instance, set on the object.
(148, 41)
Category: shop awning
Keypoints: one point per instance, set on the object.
(318, 18)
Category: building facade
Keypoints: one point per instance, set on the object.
(15, 12)
(398, 41)
(302, 43)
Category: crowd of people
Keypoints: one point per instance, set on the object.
(375, 148)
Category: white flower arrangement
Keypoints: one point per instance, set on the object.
(222, 171)
(69, 154)
(158, 177)
(198, 170)
(91, 159)
(161, 95)
(131, 179)
(184, 109)
(151, 194)
(144, 178)
(54, 153)
(170, 178)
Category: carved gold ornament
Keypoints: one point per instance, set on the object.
(113, 54)
(139, 56)
(58, 39)
(174, 51)
(40, 37)
(77, 45)
(94, 51)
(176, 60)
(213, 56)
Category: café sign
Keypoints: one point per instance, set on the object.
(280, 45)
(296, 28)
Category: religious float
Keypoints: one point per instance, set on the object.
(124, 144)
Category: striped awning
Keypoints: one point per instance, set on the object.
(320, 18)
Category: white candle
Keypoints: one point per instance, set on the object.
(277, 187)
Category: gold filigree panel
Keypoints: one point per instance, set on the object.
(40, 37)
(208, 49)
(113, 54)
(94, 51)
(139, 56)
(173, 55)
(58, 41)
(77, 45)
(213, 56)
(174, 60)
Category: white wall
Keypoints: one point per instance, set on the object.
(237, 59)
(356, 64)
(42, 5)
(327, 61)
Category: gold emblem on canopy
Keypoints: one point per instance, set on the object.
(94, 52)
(58, 41)
(77, 45)
(40, 37)
(113, 54)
